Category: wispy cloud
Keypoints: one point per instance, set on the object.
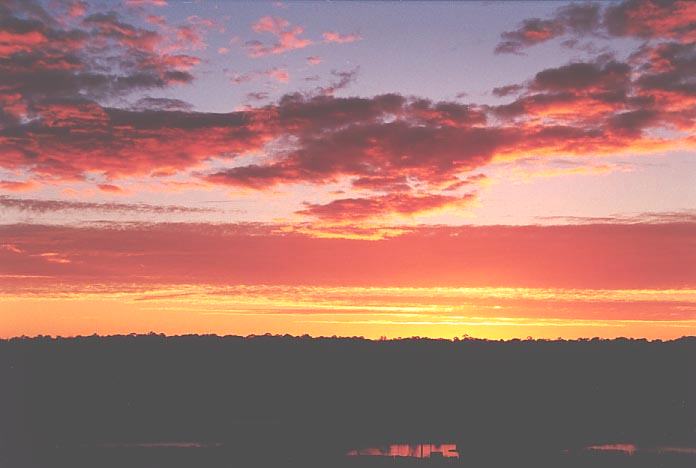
(288, 37)
(604, 256)
(45, 206)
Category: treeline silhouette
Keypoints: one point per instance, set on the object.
(149, 400)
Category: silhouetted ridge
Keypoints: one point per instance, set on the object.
(299, 399)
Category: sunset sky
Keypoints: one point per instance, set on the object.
(441, 169)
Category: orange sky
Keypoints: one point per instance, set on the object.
(512, 170)
(603, 280)
(494, 313)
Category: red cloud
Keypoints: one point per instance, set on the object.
(371, 139)
(122, 142)
(279, 74)
(271, 24)
(645, 19)
(157, 20)
(532, 31)
(191, 37)
(396, 183)
(40, 206)
(608, 77)
(108, 26)
(653, 18)
(288, 37)
(158, 3)
(44, 62)
(110, 188)
(430, 154)
(612, 256)
(353, 209)
(17, 185)
(14, 42)
(332, 36)
(77, 8)
(651, 90)
(54, 125)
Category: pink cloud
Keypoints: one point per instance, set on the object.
(606, 256)
(18, 185)
(139, 3)
(189, 37)
(157, 20)
(278, 74)
(77, 8)
(206, 23)
(386, 144)
(11, 248)
(645, 19)
(42, 206)
(271, 24)
(287, 37)
(353, 209)
(332, 36)
(110, 188)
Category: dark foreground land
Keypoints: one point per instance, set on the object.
(204, 401)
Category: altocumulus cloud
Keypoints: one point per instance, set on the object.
(57, 123)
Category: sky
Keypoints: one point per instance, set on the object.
(382, 169)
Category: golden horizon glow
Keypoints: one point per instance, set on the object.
(496, 188)
(372, 312)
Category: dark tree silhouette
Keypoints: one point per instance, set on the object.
(131, 401)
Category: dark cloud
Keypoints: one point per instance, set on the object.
(103, 57)
(654, 88)
(427, 153)
(633, 122)
(161, 104)
(74, 138)
(342, 80)
(579, 18)
(301, 113)
(645, 19)
(612, 76)
(531, 32)
(669, 67)
(396, 183)
(507, 90)
(353, 209)
(575, 19)
(50, 77)
(42, 206)
(257, 96)
(650, 217)
(56, 123)
(383, 137)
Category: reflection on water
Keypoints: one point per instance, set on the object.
(450, 450)
(631, 449)
(409, 450)
(628, 449)
(159, 445)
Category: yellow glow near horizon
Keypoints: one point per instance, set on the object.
(494, 313)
